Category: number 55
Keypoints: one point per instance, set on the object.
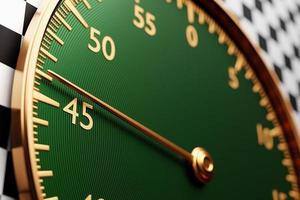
(147, 24)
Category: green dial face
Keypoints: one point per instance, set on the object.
(169, 66)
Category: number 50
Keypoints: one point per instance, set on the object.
(107, 40)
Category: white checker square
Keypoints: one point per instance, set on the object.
(290, 82)
(293, 33)
(261, 26)
(269, 15)
(236, 8)
(285, 43)
(280, 9)
(35, 3)
(296, 68)
(291, 5)
(12, 14)
(3, 157)
(250, 32)
(4, 197)
(6, 78)
(275, 53)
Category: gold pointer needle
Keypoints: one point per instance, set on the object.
(200, 160)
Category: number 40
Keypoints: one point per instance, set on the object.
(90, 198)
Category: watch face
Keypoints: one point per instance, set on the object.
(147, 100)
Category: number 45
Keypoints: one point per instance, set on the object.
(71, 108)
(141, 23)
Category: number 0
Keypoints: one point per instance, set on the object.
(108, 40)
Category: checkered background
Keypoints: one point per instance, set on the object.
(15, 16)
(274, 25)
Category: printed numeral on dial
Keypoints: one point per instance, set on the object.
(105, 44)
(278, 195)
(144, 20)
(265, 137)
(71, 109)
(90, 198)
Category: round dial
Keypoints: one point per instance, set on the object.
(148, 100)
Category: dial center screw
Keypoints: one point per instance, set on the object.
(202, 164)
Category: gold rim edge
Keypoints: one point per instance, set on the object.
(22, 131)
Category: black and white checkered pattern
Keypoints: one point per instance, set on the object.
(15, 16)
(274, 25)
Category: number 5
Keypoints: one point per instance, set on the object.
(89, 126)
(138, 12)
(150, 29)
(93, 36)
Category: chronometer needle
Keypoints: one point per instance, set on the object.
(199, 158)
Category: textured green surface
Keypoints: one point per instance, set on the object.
(181, 92)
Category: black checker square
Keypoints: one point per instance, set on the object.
(262, 42)
(293, 102)
(296, 51)
(10, 43)
(247, 12)
(278, 72)
(10, 187)
(29, 12)
(282, 24)
(287, 61)
(4, 126)
(291, 15)
(273, 33)
(258, 5)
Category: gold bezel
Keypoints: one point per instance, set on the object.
(22, 121)
(22, 93)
